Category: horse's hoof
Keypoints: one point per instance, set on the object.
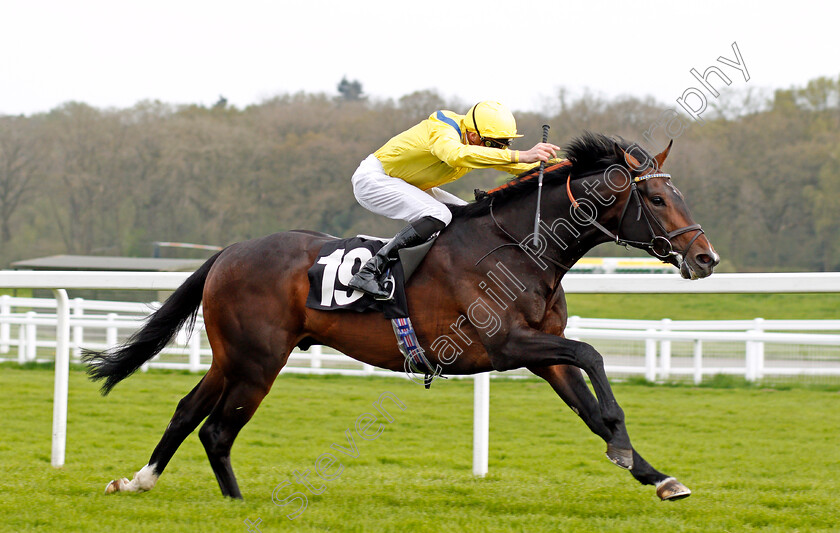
(619, 457)
(115, 485)
(670, 489)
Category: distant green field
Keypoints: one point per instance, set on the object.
(756, 459)
(705, 306)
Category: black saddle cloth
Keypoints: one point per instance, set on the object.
(339, 260)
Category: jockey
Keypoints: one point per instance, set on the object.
(401, 179)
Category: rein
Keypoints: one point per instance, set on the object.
(515, 181)
(514, 243)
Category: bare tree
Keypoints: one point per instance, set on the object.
(21, 151)
(89, 168)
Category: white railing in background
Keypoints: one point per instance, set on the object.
(754, 335)
(59, 282)
(28, 324)
(622, 265)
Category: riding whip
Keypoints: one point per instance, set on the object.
(539, 189)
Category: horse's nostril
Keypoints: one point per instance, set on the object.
(707, 260)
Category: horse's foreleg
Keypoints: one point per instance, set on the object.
(191, 410)
(568, 383)
(531, 348)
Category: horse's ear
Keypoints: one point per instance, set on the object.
(631, 161)
(660, 158)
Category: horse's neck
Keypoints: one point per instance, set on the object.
(565, 232)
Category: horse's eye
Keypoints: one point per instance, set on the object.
(657, 200)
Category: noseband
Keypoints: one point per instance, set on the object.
(660, 244)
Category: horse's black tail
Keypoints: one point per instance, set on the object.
(180, 308)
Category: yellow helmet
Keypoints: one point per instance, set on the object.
(491, 120)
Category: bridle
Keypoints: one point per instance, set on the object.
(660, 244)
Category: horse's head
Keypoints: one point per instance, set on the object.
(655, 217)
(617, 193)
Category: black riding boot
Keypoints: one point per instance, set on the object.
(369, 278)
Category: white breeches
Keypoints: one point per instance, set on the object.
(392, 197)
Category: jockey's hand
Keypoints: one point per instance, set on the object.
(540, 152)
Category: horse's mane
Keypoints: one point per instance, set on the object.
(587, 153)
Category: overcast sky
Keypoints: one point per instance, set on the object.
(115, 53)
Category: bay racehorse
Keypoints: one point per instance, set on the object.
(488, 296)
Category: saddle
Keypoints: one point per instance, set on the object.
(336, 263)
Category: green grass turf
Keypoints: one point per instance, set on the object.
(705, 306)
(756, 459)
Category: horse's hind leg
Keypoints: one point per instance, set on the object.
(239, 402)
(569, 384)
(191, 410)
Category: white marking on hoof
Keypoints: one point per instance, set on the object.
(116, 485)
(666, 480)
(143, 481)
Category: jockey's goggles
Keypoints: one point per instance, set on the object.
(496, 143)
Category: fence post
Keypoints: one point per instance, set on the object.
(755, 352)
(62, 377)
(698, 361)
(315, 353)
(759, 349)
(181, 342)
(5, 327)
(78, 331)
(111, 330)
(751, 364)
(21, 344)
(573, 322)
(749, 355)
(650, 356)
(665, 350)
(481, 424)
(195, 351)
(31, 336)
